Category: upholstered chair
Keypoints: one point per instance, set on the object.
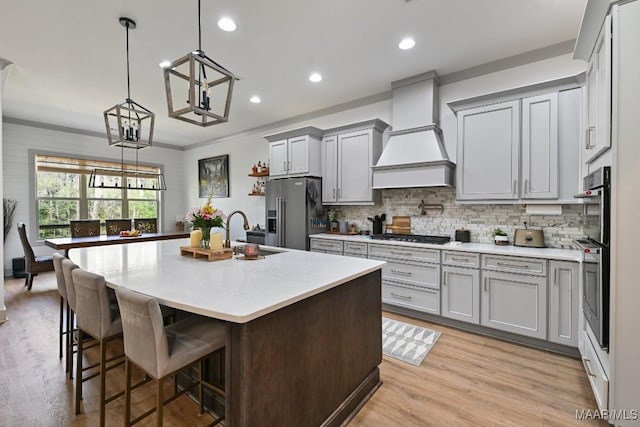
(32, 264)
(162, 351)
(115, 226)
(85, 227)
(146, 225)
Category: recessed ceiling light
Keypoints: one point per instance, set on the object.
(315, 77)
(407, 43)
(164, 64)
(225, 23)
(255, 99)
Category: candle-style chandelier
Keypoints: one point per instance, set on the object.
(208, 87)
(129, 124)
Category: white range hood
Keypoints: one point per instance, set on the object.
(414, 156)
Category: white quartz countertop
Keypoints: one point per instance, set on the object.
(484, 248)
(234, 290)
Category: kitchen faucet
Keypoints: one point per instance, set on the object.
(227, 241)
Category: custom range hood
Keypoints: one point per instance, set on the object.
(414, 155)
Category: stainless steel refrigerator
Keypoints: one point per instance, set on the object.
(293, 208)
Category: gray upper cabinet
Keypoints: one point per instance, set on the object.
(347, 153)
(598, 132)
(488, 152)
(540, 147)
(513, 150)
(295, 153)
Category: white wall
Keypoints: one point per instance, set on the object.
(3, 308)
(19, 139)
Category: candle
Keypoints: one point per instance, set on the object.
(216, 241)
(195, 237)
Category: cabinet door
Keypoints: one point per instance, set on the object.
(488, 152)
(563, 303)
(461, 294)
(540, 147)
(278, 158)
(354, 166)
(298, 155)
(515, 303)
(599, 80)
(329, 154)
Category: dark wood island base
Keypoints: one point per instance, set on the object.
(312, 363)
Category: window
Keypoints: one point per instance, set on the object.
(63, 194)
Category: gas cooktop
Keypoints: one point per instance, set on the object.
(416, 238)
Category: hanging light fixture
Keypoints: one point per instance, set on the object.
(129, 124)
(208, 87)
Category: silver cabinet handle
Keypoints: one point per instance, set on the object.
(526, 186)
(402, 253)
(405, 297)
(339, 192)
(485, 284)
(587, 366)
(588, 145)
(555, 276)
(504, 264)
(284, 165)
(354, 248)
(403, 273)
(334, 193)
(460, 259)
(515, 186)
(444, 279)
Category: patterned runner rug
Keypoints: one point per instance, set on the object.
(406, 342)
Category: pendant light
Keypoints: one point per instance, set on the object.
(198, 89)
(129, 124)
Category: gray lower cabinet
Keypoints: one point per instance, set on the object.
(461, 294)
(563, 302)
(414, 297)
(355, 249)
(325, 246)
(515, 303)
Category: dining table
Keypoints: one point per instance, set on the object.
(303, 329)
(66, 243)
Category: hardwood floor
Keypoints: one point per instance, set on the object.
(466, 379)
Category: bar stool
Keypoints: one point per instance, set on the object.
(162, 351)
(67, 268)
(100, 319)
(62, 290)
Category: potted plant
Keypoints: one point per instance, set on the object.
(332, 216)
(500, 237)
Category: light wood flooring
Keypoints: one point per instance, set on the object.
(466, 379)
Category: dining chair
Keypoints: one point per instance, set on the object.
(85, 227)
(115, 226)
(162, 351)
(32, 264)
(146, 225)
(98, 318)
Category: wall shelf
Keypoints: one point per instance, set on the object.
(256, 194)
(260, 174)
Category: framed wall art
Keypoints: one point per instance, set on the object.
(213, 176)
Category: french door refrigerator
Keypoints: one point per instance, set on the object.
(293, 208)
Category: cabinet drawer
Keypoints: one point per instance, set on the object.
(532, 266)
(403, 253)
(355, 248)
(426, 300)
(461, 259)
(597, 376)
(326, 245)
(417, 275)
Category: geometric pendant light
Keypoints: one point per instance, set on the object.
(129, 124)
(198, 89)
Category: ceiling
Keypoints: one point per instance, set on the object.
(69, 57)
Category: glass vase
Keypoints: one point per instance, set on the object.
(205, 240)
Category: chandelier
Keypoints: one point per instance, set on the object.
(129, 124)
(208, 87)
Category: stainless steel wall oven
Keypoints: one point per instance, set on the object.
(595, 249)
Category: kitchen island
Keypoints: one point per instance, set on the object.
(303, 329)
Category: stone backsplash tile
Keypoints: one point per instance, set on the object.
(480, 219)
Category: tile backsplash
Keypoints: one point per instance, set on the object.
(479, 219)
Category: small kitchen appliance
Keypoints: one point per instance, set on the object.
(528, 238)
(463, 236)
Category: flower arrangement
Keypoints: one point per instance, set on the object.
(206, 216)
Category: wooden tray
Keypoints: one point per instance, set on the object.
(211, 255)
